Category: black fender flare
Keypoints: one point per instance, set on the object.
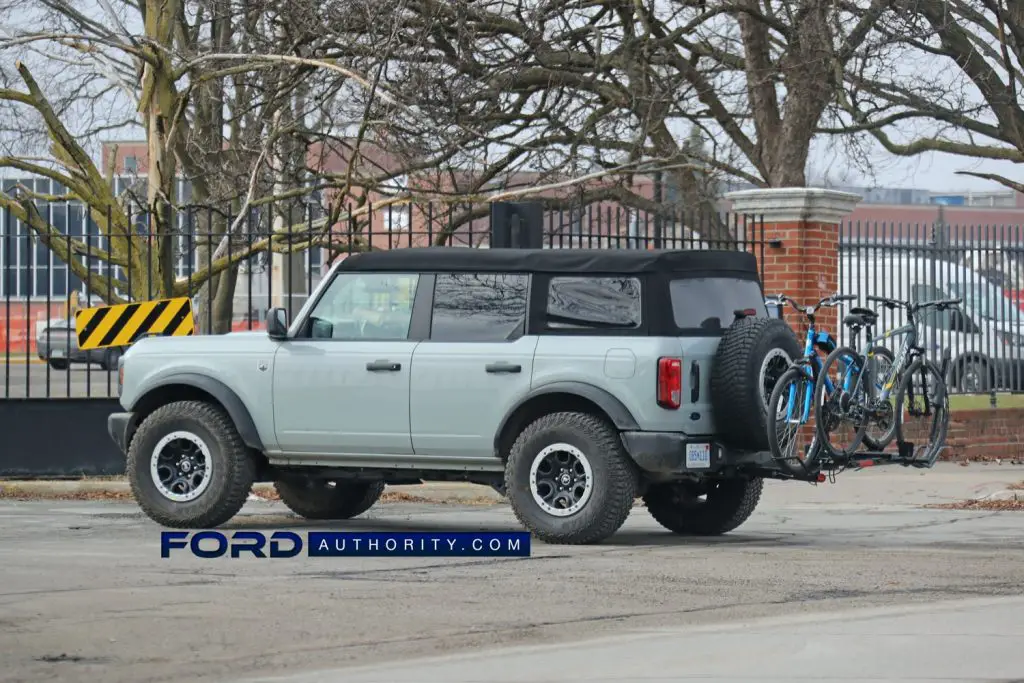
(613, 407)
(234, 406)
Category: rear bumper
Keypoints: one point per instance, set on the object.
(119, 426)
(674, 453)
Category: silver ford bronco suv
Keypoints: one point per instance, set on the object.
(572, 381)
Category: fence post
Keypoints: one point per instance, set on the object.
(801, 230)
(517, 225)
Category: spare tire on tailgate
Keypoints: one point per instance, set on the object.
(752, 355)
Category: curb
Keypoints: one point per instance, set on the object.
(118, 489)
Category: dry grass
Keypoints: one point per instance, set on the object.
(12, 491)
(1016, 503)
(1019, 486)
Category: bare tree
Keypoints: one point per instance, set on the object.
(228, 94)
(565, 86)
(945, 76)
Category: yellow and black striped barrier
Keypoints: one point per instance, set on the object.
(121, 325)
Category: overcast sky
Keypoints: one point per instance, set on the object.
(931, 171)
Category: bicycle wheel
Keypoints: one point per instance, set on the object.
(791, 433)
(922, 393)
(840, 400)
(882, 421)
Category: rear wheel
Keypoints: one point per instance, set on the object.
(325, 499)
(881, 429)
(922, 394)
(569, 479)
(706, 508)
(840, 402)
(791, 427)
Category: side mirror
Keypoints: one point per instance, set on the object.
(277, 323)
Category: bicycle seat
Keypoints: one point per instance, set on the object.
(860, 317)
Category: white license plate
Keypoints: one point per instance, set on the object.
(57, 353)
(698, 456)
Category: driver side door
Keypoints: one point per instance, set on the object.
(341, 385)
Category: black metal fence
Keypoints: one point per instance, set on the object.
(38, 345)
(983, 265)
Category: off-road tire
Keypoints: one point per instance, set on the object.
(729, 504)
(314, 499)
(233, 470)
(615, 478)
(741, 414)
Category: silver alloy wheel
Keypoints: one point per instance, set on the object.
(181, 466)
(775, 362)
(561, 480)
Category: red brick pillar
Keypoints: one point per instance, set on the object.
(801, 234)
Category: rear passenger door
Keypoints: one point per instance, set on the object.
(475, 366)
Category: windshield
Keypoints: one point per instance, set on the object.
(983, 300)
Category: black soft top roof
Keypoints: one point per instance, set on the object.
(455, 259)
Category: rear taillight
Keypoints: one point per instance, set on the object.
(670, 382)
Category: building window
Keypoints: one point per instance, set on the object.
(130, 165)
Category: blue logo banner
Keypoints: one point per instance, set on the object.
(418, 544)
(210, 544)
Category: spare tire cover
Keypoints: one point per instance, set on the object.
(752, 355)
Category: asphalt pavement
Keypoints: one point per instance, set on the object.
(962, 640)
(84, 595)
(30, 380)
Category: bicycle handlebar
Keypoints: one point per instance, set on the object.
(831, 300)
(893, 303)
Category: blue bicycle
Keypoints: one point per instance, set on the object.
(792, 434)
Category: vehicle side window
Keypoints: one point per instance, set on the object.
(365, 306)
(593, 302)
(710, 303)
(484, 307)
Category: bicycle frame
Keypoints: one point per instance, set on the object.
(901, 360)
(812, 365)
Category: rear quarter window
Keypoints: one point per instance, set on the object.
(709, 302)
(593, 303)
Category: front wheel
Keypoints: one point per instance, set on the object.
(922, 393)
(188, 467)
(792, 436)
(841, 402)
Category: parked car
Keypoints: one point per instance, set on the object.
(57, 344)
(985, 334)
(572, 381)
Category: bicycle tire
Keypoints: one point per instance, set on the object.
(780, 397)
(940, 426)
(823, 419)
(890, 434)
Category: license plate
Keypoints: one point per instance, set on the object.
(57, 353)
(698, 455)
